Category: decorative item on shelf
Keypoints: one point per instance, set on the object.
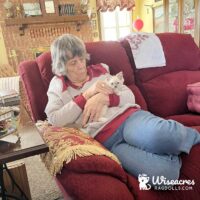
(66, 9)
(89, 12)
(32, 9)
(9, 8)
(138, 24)
(84, 6)
(49, 7)
(19, 11)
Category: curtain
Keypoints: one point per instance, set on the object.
(110, 5)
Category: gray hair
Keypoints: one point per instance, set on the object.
(63, 48)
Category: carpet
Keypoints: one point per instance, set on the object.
(42, 184)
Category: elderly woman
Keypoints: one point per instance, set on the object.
(144, 143)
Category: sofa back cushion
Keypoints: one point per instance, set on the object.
(164, 88)
(112, 54)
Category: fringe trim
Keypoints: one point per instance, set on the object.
(63, 147)
(54, 163)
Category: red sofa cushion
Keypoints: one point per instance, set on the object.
(112, 54)
(190, 119)
(164, 88)
(44, 65)
(180, 51)
(166, 94)
(193, 101)
(94, 177)
(35, 89)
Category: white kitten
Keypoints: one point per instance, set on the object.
(115, 82)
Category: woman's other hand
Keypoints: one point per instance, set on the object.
(98, 87)
(93, 108)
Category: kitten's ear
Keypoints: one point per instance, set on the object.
(120, 76)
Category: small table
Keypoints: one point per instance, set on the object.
(31, 143)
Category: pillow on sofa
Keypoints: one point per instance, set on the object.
(83, 167)
(193, 101)
(66, 144)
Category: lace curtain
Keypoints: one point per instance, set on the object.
(104, 5)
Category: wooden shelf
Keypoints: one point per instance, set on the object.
(45, 19)
(24, 22)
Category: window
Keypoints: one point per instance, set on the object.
(115, 24)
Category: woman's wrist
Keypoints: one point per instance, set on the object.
(86, 95)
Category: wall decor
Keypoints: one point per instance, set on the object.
(32, 9)
(49, 6)
(66, 9)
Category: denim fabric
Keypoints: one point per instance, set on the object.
(145, 143)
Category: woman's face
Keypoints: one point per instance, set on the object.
(76, 69)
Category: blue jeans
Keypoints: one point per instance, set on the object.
(148, 144)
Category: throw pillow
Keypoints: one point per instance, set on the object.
(193, 101)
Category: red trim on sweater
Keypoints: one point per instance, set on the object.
(64, 82)
(80, 101)
(96, 70)
(92, 70)
(114, 100)
(111, 127)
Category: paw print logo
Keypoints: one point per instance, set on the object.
(143, 182)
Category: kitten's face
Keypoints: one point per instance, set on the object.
(115, 81)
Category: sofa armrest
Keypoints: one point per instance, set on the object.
(84, 168)
(34, 88)
(94, 177)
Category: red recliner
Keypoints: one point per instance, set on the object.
(158, 90)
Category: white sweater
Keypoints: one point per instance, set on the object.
(66, 103)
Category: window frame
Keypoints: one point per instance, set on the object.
(117, 27)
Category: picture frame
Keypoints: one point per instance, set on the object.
(32, 9)
(49, 7)
(158, 19)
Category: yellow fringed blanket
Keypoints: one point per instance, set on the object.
(66, 144)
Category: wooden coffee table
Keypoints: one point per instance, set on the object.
(30, 144)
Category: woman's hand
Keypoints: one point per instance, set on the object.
(93, 108)
(98, 87)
